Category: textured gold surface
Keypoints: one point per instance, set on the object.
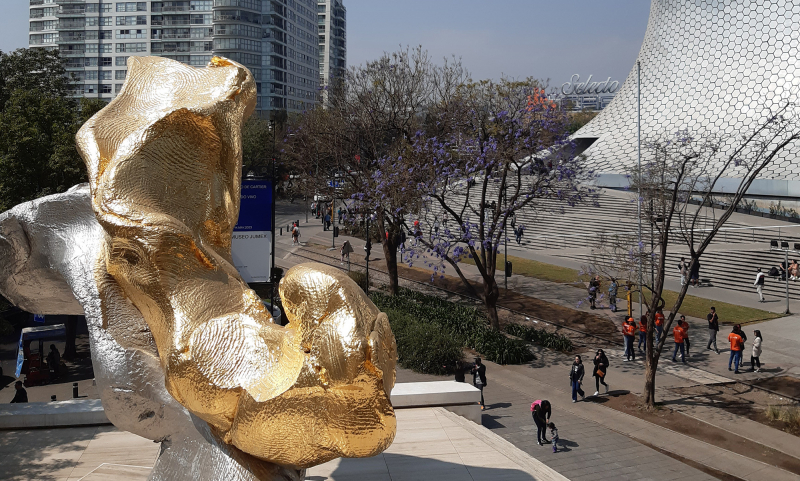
(164, 162)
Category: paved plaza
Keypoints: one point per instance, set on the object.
(601, 443)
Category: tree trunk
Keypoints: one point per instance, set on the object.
(490, 295)
(650, 368)
(390, 254)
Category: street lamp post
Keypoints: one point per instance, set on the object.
(505, 232)
(272, 264)
(366, 286)
(639, 154)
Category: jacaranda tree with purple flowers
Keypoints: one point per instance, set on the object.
(678, 180)
(504, 148)
(364, 131)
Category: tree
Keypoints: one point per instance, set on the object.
(506, 149)
(34, 70)
(680, 177)
(370, 120)
(257, 147)
(39, 122)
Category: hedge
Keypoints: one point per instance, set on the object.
(541, 337)
(423, 346)
(465, 325)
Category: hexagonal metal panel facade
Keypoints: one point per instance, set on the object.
(706, 65)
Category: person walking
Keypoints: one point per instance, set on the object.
(659, 320)
(755, 356)
(686, 342)
(541, 411)
(576, 373)
(553, 436)
(628, 331)
(600, 370)
(53, 362)
(594, 286)
(460, 371)
(694, 273)
(713, 329)
(683, 267)
(21, 395)
(346, 250)
(327, 222)
(759, 283)
(518, 234)
(744, 340)
(736, 349)
(642, 333)
(679, 334)
(295, 235)
(479, 378)
(612, 295)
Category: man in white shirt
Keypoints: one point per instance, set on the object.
(759, 283)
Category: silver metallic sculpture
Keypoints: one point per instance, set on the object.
(48, 249)
(706, 65)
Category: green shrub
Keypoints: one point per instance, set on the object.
(465, 325)
(360, 277)
(541, 337)
(422, 346)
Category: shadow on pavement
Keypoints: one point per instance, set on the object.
(402, 466)
(565, 445)
(490, 422)
(603, 398)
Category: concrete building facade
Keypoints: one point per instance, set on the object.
(332, 40)
(276, 39)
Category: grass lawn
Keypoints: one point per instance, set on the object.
(537, 270)
(692, 306)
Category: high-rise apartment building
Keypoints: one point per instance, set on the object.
(275, 39)
(332, 40)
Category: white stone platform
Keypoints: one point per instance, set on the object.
(74, 412)
(458, 397)
(435, 444)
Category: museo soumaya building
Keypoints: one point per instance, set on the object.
(706, 66)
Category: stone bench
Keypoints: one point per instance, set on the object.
(75, 412)
(457, 397)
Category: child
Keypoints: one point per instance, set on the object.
(553, 436)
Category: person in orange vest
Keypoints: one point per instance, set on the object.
(679, 333)
(737, 344)
(628, 331)
(659, 322)
(642, 333)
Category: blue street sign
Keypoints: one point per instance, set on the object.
(38, 318)
(251, 246)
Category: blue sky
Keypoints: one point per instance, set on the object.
(546, 39)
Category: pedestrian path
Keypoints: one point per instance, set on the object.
(589, 451)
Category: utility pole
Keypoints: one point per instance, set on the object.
(505, 232)
(639, 152)
(366, 290)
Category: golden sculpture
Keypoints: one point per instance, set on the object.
(164, 163)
